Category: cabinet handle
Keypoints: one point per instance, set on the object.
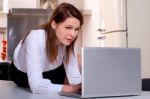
(113, 31)
(101, 37)
(101, 30)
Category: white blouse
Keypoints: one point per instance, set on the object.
(30, 57)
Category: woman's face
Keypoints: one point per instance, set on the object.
(67, 31)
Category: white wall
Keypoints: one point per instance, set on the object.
(139, 31)
(22, 3)
(76, 3)
(91, 23)
(3, 20)
(3, 14)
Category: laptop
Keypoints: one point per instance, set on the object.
(109, 72)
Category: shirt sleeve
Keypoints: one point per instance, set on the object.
(72, 71)
(34, 66)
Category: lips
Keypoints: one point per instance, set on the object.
(69, 40)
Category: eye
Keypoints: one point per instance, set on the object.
(68, 27)
(77, 29)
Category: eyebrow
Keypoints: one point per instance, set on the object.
(72, 26)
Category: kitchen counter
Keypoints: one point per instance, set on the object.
(8, 90)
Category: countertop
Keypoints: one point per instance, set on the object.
(8, 90)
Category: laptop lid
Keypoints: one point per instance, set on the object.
(110, 71)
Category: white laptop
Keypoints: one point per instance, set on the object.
(108, 72)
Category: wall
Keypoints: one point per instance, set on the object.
(22, 3)
(76, 3)
(3, 20)
(139, 31)
(91, 23)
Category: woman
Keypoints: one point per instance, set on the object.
(45, 57)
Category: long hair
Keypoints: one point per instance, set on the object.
(60, 14)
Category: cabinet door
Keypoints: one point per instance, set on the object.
(116, 39)
(113, 23)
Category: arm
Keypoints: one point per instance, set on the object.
(33, 49)
(73, 74)
(72, 71)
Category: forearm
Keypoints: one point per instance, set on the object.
(71, 88)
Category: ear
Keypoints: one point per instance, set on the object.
(53, 24)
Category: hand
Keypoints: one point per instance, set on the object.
(71, 88)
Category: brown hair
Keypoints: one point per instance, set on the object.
(60, 14)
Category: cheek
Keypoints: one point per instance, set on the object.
(60, 34)
(59, 30)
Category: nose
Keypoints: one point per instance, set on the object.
(73, 33)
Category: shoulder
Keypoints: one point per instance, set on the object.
(36, 35)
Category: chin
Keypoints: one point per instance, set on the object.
(66, 44)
